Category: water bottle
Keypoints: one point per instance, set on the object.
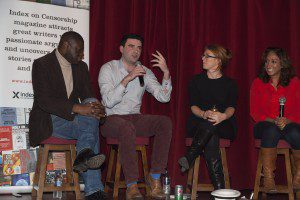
(58, 183)
(166, 184)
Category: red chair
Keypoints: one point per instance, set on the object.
(194, 171)
(141, 143)
(283, 148)
(55, 144)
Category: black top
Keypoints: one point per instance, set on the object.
(206, 93)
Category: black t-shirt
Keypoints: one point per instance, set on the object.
(206, 93)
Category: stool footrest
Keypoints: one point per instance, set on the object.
(205, 187)
(283, 189)
(115, 183)
(63, 188)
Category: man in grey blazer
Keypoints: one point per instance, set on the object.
(64, 106)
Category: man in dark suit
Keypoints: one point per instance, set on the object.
(64, 106)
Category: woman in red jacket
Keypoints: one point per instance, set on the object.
(276, 84)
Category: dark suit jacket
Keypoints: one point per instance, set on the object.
(50, 95)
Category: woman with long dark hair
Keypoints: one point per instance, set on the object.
(213, 98)
(276, 84)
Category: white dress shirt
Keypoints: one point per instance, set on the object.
(121, 100)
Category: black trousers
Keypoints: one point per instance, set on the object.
(270, 134)
(224, 130)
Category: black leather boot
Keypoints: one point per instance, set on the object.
(200, 139)
(215, 169)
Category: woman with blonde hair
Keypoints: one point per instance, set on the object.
(213, 98)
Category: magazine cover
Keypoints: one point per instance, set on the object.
(8, 116)
(5, 138)
(11, 162)
(20, 180)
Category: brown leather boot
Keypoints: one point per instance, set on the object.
(156, 190)
(296, 177)
(133, 193)
(269, 156)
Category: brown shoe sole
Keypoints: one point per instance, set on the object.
(135, 198)
(93, 163)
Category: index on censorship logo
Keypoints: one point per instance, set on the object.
(22, 95)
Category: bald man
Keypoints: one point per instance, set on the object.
(65, 107)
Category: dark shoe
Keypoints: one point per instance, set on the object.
(201, 138)
(215, 170)
(156, 190)
(86, 159)
(184, 163)
(100, 195)
(133, 193)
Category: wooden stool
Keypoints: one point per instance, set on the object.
(282, 148)
(55, 144)
(194, 171)
(141, 143)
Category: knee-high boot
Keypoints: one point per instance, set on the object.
(296, 177)
(200, 139)
(215, 168)
(269, 156)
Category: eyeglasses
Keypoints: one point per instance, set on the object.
(207, 56)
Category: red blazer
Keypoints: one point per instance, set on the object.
(50, 95)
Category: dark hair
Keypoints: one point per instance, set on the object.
(287, 71)
(70, 35)
(131, 36)
(220, 52)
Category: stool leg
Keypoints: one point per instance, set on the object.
(195, 178)
(117, 176)
(37, 171)
(288, 173)
(110, 166)
(69, 174)
(75, 175)
(297, 193)
(145, 167)
(42, 174)
(225, 168)
(189, 181)
(257, 177)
